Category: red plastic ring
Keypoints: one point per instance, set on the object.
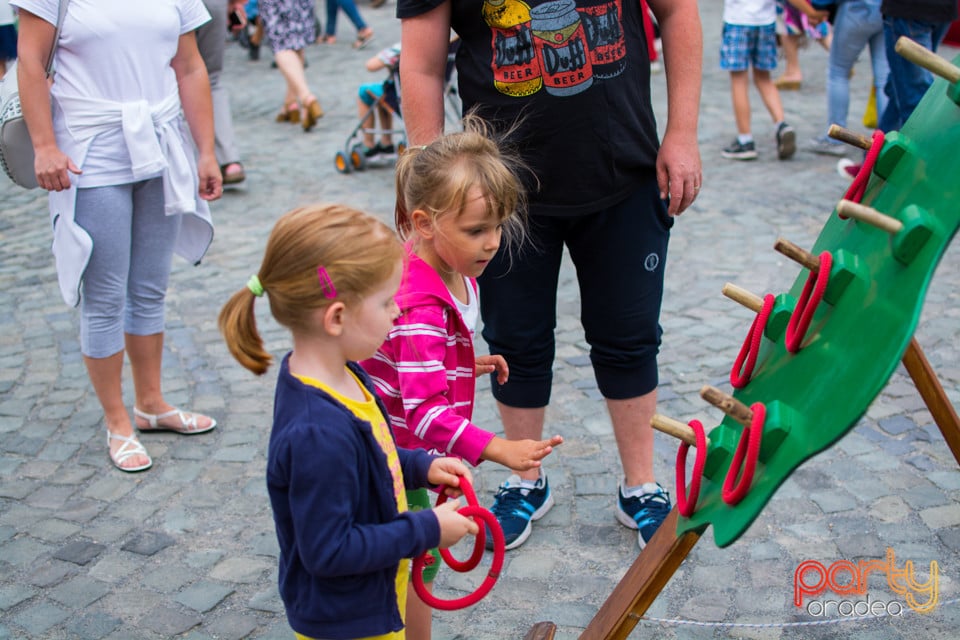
(813, 290)
(686, 506)
(462, 566)
(746, 360)
(475, 511)
(748, 450)
(858, 187)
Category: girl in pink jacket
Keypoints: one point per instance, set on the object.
(456, 198)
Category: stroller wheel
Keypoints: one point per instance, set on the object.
(340, 162)
(357, 157)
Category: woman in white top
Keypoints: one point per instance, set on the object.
(123, 138)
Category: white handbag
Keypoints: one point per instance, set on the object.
(16, 149)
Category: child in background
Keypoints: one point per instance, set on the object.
(749, 40)
(377, 117)
(334, 474)
(455, 199)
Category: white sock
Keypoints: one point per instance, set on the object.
(744, 138)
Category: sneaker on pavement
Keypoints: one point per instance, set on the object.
(786, 141)
(515, 506)
(740, 150)
(827, 147)
(848, 168)
(645, 512)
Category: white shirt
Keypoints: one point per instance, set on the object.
(116, 51)
(750, 12)
(470, 312)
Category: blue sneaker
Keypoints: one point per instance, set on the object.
(516, 506)
(645, 512)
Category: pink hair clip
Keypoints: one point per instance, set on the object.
(326, 283)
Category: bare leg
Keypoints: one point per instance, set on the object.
(105, 375)
(769, 94)
(367, 124)
(386, 123)
(631, 427)
(290, 64)
(521, 424)
(791, 55)
(419, 617)
(740, 94)
(146, 358)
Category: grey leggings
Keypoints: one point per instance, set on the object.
(125, 284)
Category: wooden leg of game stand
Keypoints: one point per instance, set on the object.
(541, 631)
(642, 583)
(933, 395)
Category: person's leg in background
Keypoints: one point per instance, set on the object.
(907, 82)
(364, 32)
(211, 41)
(620, 255)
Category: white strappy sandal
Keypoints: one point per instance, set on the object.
(130, 447)
(188, 422)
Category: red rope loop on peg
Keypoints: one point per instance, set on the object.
(482, 517)
(748, 450)
(746, 360)
(810, 298)
(859, 185)
(686, 505)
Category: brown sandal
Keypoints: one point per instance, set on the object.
(289, 113)
(311, 113)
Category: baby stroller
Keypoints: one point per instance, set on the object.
(355, 155)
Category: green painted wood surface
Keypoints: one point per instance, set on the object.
(876, 292)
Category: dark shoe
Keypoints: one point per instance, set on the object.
(386, 149)
(645, 512)
(740, 151)
(786, 141)
(515, 507)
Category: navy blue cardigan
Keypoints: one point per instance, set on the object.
(341, 537)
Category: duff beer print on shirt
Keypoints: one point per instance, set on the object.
(555, 46)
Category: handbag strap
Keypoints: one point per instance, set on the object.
(56, 35)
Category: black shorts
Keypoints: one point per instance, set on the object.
(619, 254)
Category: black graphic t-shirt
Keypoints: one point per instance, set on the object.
(576, 75)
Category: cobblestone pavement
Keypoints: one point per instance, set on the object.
(187, 549)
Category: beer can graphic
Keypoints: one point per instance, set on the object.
(515, 66)
(561, 47)
(603, 29)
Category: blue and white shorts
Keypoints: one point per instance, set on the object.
(746, 46)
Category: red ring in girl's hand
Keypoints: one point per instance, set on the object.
(475, 511)
(748, 450)
(685, 506)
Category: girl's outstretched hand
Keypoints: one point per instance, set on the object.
(489, 364)
(520, 455)
(447, 471)
(453, 526)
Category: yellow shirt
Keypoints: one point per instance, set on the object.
(368, 411)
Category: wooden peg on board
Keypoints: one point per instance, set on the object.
(728, 404)
(850, 137)
(798, 254)
(747, 298)
(927, 59)
(675, 428)
(870, 216)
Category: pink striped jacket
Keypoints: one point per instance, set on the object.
(424, 371)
